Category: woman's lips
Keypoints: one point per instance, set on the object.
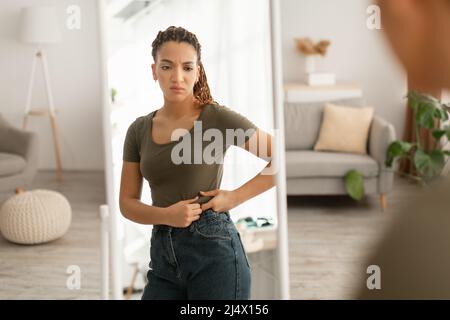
(177, 89)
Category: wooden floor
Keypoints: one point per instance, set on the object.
(329, 238)
(40, 271)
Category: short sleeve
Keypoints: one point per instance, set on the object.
(130, 146)
(230, 119)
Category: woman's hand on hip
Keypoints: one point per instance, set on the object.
(183, 213)
(222, 200)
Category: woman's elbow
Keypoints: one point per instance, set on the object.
(123, 207)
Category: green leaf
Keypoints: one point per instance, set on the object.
(397, 149)
(426, 106)
(413, 98)
(425, 116)
(429, 165)
(427, 98)
(440, 114)
(444, 113)
(354, 184)
(438, 134)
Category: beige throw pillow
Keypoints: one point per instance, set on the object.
(344, 129)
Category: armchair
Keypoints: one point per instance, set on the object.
(19, 156)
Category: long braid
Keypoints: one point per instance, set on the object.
(201, 88)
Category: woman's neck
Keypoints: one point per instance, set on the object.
(177, 110)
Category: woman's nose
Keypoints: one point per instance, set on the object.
(177, 75)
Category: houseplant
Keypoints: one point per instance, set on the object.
(429, 163)
(113, 94)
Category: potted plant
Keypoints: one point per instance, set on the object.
(113, 94)
(429, 114)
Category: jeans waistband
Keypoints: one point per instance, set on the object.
(170, 228)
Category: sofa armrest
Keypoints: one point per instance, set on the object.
(381, 135)
(15, 140)
(23, 143)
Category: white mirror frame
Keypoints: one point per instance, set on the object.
(279, 157)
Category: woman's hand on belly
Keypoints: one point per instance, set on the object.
(183, 213)
(223, 200)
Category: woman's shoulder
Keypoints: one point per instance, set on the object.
(226, 117)
(217, 109)
(215, 106)
(140, 121)
(223, 111)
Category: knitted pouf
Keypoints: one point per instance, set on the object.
(37, 216)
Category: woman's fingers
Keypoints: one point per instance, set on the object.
(196, 214)
(190, 200)
(208, 205)
(194, 205)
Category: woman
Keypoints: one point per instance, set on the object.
(196, 251)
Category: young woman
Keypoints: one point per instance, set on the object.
(196, 251)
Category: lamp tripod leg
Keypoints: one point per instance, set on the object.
(57, 151)
(52, 117)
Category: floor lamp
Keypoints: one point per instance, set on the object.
(39, 26)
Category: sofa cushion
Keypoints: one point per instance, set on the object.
(303, 120)
(306, 163)
(11, 164)
(344, 129)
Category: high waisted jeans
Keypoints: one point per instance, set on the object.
(205, 260)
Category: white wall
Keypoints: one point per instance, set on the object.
(356, 54)
(75, 77)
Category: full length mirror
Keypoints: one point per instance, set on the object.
(190, 120)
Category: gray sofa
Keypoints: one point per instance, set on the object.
(322, 173)
(19, 156)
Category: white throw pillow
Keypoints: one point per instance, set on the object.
(344, 129)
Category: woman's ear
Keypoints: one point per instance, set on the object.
(154, 72)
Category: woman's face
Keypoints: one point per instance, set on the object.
(176, 70)
(418, 32)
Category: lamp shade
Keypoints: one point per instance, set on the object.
(39, 25)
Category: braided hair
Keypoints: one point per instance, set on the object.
(179, 34)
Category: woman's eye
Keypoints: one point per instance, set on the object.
(188, 68)
(164, 67)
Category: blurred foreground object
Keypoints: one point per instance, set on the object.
(414, 255)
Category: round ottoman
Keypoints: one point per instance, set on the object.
(37, 216)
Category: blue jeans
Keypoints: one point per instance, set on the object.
(205, 260)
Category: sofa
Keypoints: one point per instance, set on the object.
(310, 172)
(19, 156)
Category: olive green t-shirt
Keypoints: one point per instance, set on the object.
(178, 170)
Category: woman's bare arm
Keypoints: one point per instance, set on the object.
(260, 144)
(130, 204)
